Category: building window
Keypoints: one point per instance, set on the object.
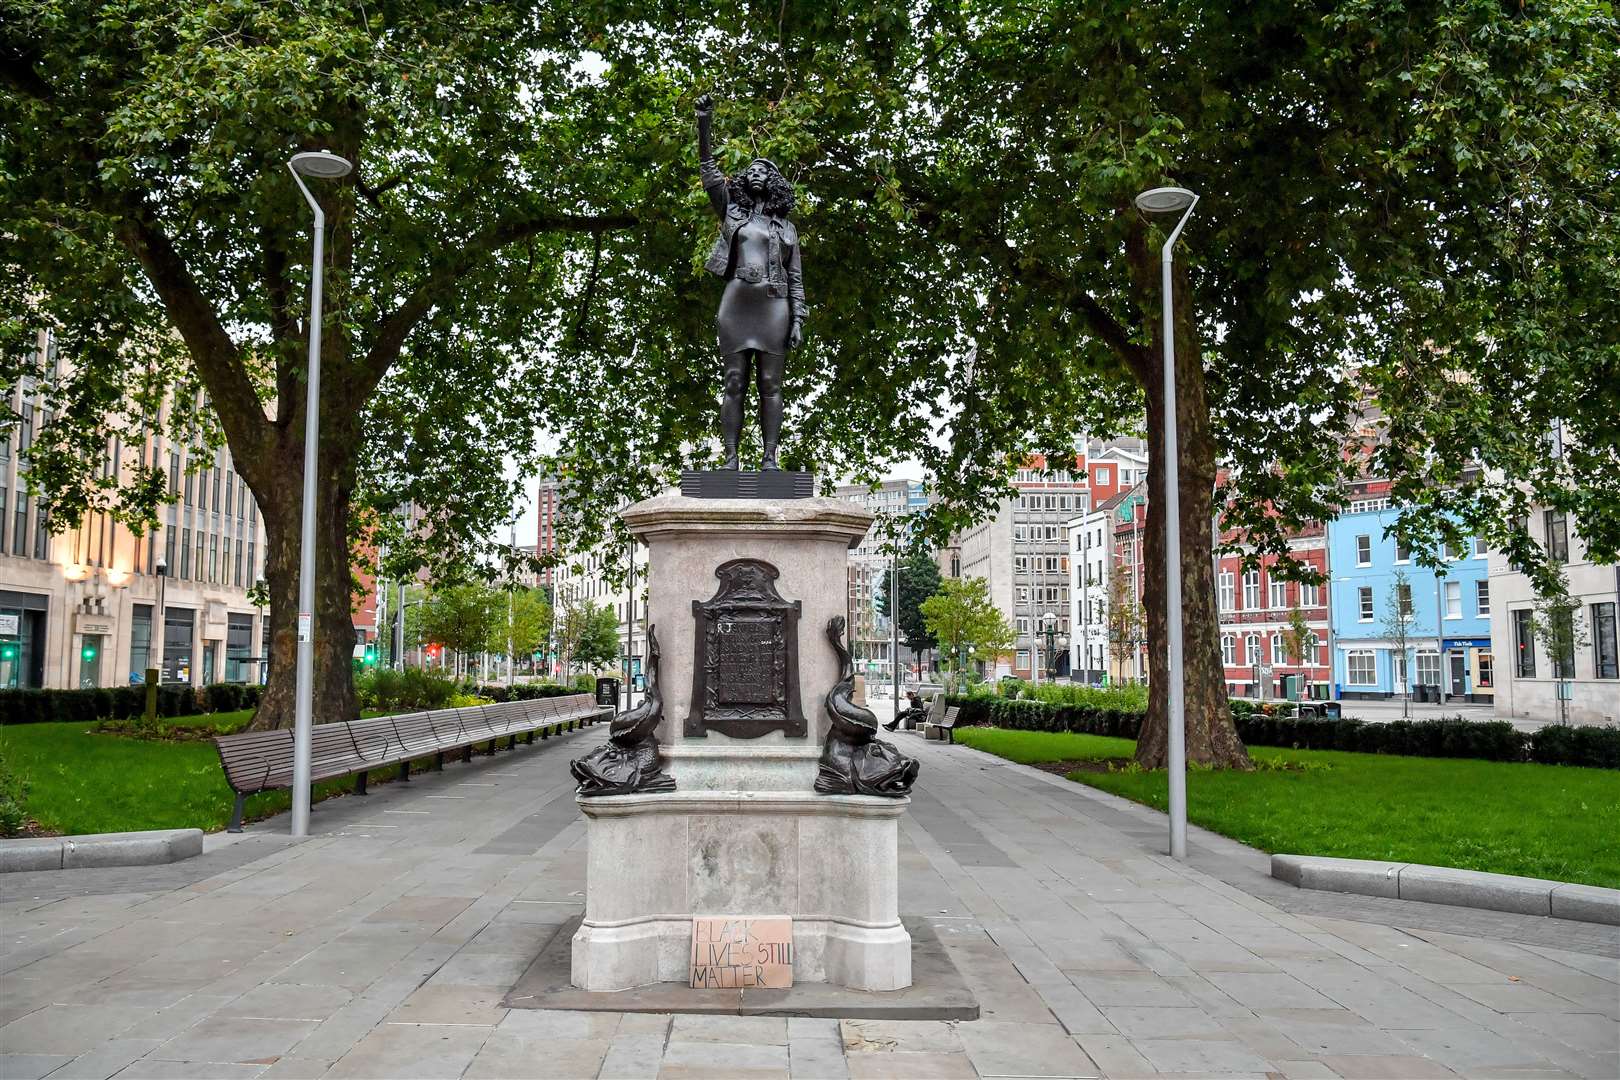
(1605, 662)
(1428, 669)
(1252, 649)
(1023, 594)
(1557, 526)
(1279, 654)
(1309, 596)
(1020, 565)
(1487, 673)
(1021, 659)
(1359, 668)
(1023, 624)
(1366, 602)
(1403, 550)
(1311, 645)
(1479, 547)
(1363, 551)
(1279, 594)
(185, 555)
(1251, 590)
(1228, 650)
(1404, 592)
(1524, 643)
(1102, 476)
(1453, 591)
(1228, 590)
(1482, 598)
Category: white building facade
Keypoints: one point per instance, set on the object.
(1530, 681)
(77, 609)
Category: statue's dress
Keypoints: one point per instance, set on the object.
(749, 316)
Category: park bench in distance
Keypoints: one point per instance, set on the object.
(945, 726)
(258, 761)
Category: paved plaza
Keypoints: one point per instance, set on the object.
(384, 945)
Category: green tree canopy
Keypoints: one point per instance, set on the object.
(919, 579)
(969, 628)
(588, 635)
(1408, 219)
(462, 618)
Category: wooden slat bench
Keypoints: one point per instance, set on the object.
(945, 726)
(258, 761)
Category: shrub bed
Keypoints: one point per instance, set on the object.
(1491, 740)
(526, 691)
(121, 703)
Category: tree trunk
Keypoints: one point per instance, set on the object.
(1212, 739)
(282, 507)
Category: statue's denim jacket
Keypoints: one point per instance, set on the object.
(783, 276)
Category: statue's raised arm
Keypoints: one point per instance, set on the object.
(714, 181)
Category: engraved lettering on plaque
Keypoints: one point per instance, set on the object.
(745, 681)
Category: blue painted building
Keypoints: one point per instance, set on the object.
(1448, 644)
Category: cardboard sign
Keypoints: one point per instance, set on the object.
(733, 952)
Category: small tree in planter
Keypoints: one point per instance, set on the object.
(1398, 621)
(1560, 630)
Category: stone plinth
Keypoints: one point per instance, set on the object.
(830, 862)
(808, 541)
(743, 834)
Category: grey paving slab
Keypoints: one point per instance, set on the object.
(413, 1051)
(106, 1059)
(1201, 1056)
(507, 1055)
(1002, 1049)
(234, 1039)
(30, 1066)
(633, 1057)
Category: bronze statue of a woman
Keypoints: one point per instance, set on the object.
(762, 309)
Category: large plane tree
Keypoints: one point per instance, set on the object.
(1407, 241)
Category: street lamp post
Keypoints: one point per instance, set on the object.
(154, 673)
(1049, 624)
(321, 165)
(1161, 202)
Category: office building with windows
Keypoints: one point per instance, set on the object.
(77, 607)
(1262, 652)
(1105, 587)
(1447, 615)
(1530, 678)
(871, 637)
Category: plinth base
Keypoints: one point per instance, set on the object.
(747, 484)
(656, 861)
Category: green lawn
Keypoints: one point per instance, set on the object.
(1546, 821)
(82, 782)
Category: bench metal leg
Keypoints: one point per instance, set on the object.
(404, 770)
(950, 736)
(438, 761)
(511, 743)
(360, 782)
(466, 753)
(545, 733)
(491, 750)
(236, 814)
(528, 737)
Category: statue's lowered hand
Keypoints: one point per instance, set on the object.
(704, 107)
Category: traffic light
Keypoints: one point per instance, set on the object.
(371, 653)
(88, 652)
(8, 650)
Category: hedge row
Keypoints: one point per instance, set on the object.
(1493, 740)
(121, 703)
(525, 691)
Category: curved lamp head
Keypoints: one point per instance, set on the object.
(1165, 200)
(320, 165)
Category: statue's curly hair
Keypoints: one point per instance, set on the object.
(778, 194)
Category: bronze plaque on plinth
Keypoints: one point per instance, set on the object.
(745, 681)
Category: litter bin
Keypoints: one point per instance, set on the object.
(607, 692)
(1330, 709)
